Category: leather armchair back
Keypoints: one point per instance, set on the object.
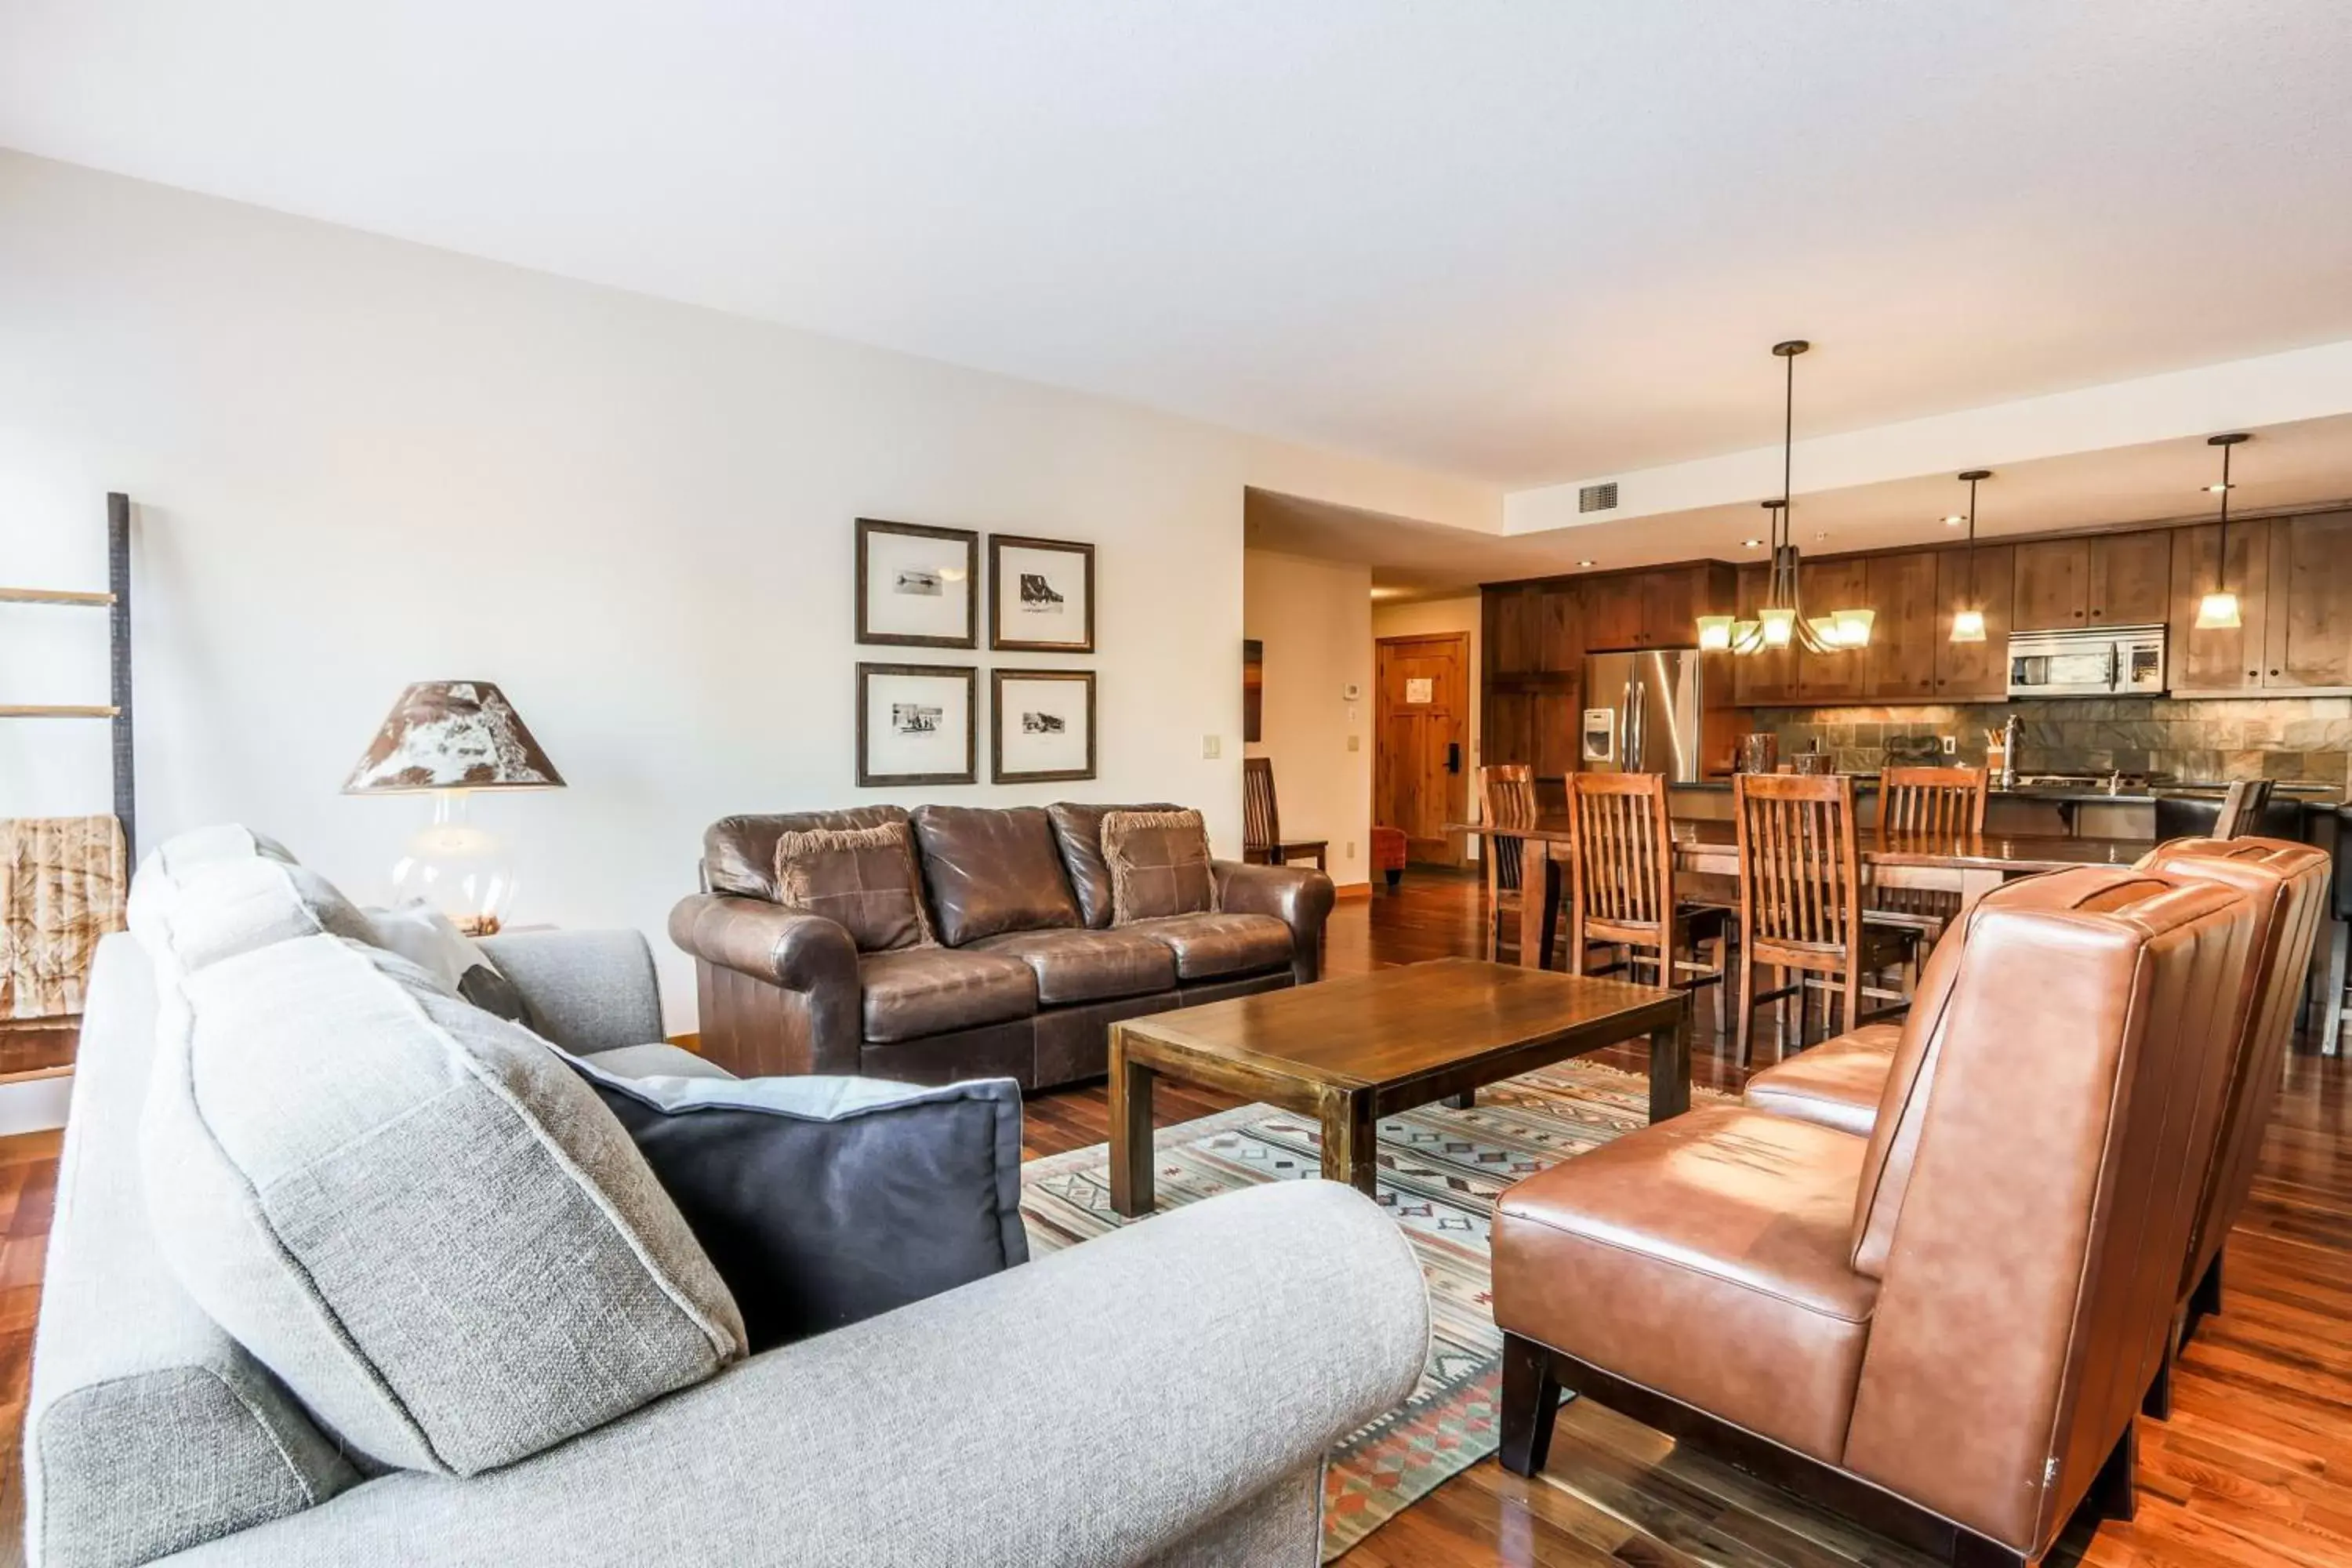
(2289, 885)
(2028, 1242)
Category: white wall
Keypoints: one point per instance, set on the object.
(1429, 617)
(360, 463)
(1315, 618)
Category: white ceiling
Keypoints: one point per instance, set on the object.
(2284, 466)
(1520, 240)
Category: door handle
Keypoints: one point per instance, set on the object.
(1453, 756)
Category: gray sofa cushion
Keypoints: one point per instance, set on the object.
(199, 899)
(827, 1200)
(414, 1213)
(149, 1428)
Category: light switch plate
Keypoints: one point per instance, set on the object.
(1951, 745)
(1355, 742)
(1211, 747)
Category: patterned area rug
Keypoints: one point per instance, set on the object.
(1440, 1171)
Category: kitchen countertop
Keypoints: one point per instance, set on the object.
(2323, 796)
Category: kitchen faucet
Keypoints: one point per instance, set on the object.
(2009, 752)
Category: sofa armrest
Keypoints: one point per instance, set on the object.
(587, 990)
(812, 960)
(1094, 1406)
(1299, 897)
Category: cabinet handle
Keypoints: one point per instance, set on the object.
(2078, 614)
(2096, 614)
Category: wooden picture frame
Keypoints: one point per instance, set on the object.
(1041, 575)
(999, 680)
(927, 569)
(905, 688)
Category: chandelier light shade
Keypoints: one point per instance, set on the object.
(1969, 619)
(2218, 610)
(1780, 621)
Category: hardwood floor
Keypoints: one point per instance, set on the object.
(2255, 1468)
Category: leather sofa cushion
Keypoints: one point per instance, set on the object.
(1077, 829)
(862, 878)
(1088, 965)
(1209, 946)
(739, 852)
(993, 870)
(1704, 1259)
(920, 991)
(1838, 1083)
(1158, 864)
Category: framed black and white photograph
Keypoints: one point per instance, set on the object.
(916, 724)
(1042, 725)
(1041, 595)
(917, 587)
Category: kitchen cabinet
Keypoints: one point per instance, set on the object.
(2221, 659)
(1900, 663)
(2054, 584)
(2130, 581)
(1766, 679)
(1974, 671)
(1612, 611)
(1823, 586)
(2307, 608)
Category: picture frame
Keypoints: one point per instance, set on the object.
(1041, 595)
(1041, 725)
(918, 724)
(917, 587)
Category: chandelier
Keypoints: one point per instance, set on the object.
(1781, 620)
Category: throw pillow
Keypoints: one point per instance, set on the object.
(188, 915)
(431, 940)
(415, 1213)
(1158, 864)
(863, 878)
(825, 1200)
(1078, 830)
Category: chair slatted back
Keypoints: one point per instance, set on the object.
(2241, 806)
(1506, 797)
(1624, 864)
(1800, 865)
(1946, 802)
(1261, 819)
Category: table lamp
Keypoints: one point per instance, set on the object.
(450, 738)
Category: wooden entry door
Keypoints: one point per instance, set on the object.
(1420, 767)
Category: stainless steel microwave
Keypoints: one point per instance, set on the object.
(2091, 661)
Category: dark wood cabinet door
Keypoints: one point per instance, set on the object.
(1508, 735)
(1900, 666)
(1761, 680)
(1514, 635)
(1974, 671)
(1670, 608)
(1612, 612)
(2053, 585)
(1558, 714)
(1823, 586)
(2131, 578)
(1562, 649)
(2308, 629)
(2223, 659)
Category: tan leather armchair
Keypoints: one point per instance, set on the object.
(1946, 1328)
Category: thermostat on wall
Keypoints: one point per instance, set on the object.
(1350, 691)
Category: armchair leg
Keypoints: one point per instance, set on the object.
(2115, 1491)
(2157, 1403)
(1530, 1403)
(2205, 1296)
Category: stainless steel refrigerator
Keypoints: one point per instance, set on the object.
(1643, 713)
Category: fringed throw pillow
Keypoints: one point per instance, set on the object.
(1158, 864)
(862, 877)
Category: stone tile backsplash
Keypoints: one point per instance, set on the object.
(2201, 741)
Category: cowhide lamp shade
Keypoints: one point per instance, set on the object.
(452, 734)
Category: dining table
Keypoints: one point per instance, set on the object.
(1969, 864)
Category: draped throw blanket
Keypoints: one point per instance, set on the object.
(62, 881)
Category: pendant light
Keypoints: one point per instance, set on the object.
(1967, 622)
(2218, 611)
(1781, 620)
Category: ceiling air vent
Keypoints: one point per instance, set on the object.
(1597, 497)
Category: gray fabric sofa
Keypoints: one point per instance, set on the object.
(1163, 1395)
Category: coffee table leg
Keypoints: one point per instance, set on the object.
(1467, 1100)
(1351, 1143)
(1131, 1154)
(1670, 1073)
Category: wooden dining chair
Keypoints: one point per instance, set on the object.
(1262, 840)
(1506, 798)
(1803, 907)
(2243, 804)
(1622, 893)
(1929, 802)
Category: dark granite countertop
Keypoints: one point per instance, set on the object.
(2324, 797)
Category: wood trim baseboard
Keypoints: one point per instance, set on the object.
(1352, 890)
(690, 1041)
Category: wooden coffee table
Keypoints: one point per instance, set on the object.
(1352, 1050)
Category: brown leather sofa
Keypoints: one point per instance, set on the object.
(1943, 1329)
(1839, 1084)
(1029, 972)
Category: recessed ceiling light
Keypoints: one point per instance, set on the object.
(1953, 520)
(1751, 543)
(1584, 563)
(2217, 489)
(1823, 533)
